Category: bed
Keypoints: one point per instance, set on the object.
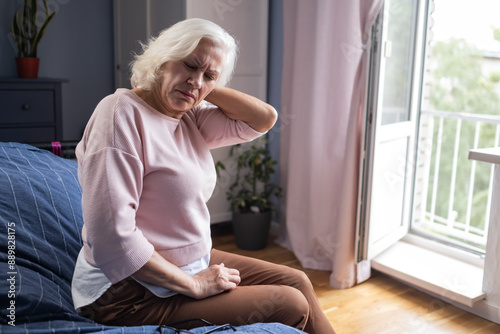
(40, 225)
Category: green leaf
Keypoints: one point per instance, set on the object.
(27, 33)
(41, 32)
(17, 33)
(254, 170)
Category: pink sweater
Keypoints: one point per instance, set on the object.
(146, 178)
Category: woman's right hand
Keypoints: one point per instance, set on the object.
(214, 280)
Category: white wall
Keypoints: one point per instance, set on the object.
(247, 21)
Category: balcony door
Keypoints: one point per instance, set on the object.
(390, 130)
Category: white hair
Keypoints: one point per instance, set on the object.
(176, 43)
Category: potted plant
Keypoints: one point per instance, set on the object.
(28, 28)
(250, 194)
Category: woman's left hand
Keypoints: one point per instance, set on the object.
(215, 279)
(208, 282)
(240, 106)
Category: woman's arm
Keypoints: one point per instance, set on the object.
(211, 281)
(240, 106)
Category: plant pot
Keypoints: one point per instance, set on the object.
(251, 230)
(27, 67)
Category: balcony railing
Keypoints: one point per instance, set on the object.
(453, 194)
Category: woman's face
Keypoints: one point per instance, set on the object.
(185, 83)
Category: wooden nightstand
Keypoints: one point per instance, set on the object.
(30, 110)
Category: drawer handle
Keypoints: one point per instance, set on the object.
(25, 107)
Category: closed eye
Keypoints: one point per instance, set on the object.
(190, 66)
(209, 75)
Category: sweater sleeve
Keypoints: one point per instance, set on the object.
(218, 130)
(111, 182)
(111, 172)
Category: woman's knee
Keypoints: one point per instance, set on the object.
(298, 279)
(285, 305)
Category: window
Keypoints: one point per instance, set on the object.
(460, 95)
(390, 129)
(433, 95)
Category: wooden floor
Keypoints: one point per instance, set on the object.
(380, 305)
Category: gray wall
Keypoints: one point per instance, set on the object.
(78, 46)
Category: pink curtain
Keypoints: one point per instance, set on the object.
(323, 92)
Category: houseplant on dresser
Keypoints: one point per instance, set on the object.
(250, 194)
(28, 28)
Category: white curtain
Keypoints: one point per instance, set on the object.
(323, 92)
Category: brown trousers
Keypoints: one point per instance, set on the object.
(267, 293)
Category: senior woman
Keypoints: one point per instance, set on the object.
(146, 174)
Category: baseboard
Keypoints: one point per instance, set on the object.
(221, 217)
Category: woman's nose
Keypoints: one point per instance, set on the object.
(195, 80)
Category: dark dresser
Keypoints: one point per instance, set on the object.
(30, 110)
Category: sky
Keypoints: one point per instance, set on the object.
(469, 19)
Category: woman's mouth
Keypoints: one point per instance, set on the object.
(187, 94)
